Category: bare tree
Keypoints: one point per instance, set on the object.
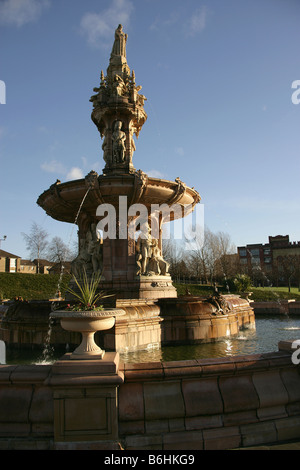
(36, 242)
(212, 255)
(173, 254)
(58, 251)
(288, 265)
(203, 254)
(224, 251)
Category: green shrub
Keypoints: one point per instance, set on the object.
(242, 283)
(239, 283)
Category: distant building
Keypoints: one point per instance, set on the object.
(44, 265)
(9, 263)
(276, 262)
(27, 267)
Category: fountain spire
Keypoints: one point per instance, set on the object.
(118, 109)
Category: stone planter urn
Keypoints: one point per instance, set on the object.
(87, 323)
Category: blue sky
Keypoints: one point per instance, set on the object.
(218, 80)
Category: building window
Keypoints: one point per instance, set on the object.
(254, 252)
(243, 252)
(268, 259)
(12, 265)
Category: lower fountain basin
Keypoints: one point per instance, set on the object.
(87, 323)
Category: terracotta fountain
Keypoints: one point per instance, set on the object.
(107, 206)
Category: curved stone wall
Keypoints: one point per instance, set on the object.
(184, 405)
(210, 404)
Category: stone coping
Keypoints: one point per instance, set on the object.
(142, 371)
(206, 367)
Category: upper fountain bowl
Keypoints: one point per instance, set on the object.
(62, 200)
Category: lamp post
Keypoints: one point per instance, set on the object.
(2, 240)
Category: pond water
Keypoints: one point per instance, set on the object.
(265, 338)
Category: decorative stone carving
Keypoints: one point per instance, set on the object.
(156, 263)
(119, 138)
(149, 257)
(140, 185)
(116, 101)
(119, 46)
(218, 301)
(144, 251)
(90, 256)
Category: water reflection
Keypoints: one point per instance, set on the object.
(243, 344)
(269, 331)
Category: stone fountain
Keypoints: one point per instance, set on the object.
(111, 206)
(220, 403)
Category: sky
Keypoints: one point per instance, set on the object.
(222, 111)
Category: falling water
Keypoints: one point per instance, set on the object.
(47, 353)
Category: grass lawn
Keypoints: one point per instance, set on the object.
(274, 293)
(30, 286)
(258, 293)
(42, 286)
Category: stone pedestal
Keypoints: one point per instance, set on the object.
(141, 288)
(85, 402)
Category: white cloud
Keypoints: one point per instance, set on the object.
(99, 28)
(60, 170)
(53, 167)
(172, 19)
(194, 24)
(197, 22)
(154, 174)
(75, 174)
(19, 12)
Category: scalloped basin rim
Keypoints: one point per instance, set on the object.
(109, 312)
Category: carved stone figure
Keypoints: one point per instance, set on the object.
(156, 262)
(149, 257)
(119, 138)
(132, 143)
(90, 254)
(218, 301)
(94, 248)
(105, 148)
(144, 251)
(119, 86)
(119, 46)
(82, 260)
